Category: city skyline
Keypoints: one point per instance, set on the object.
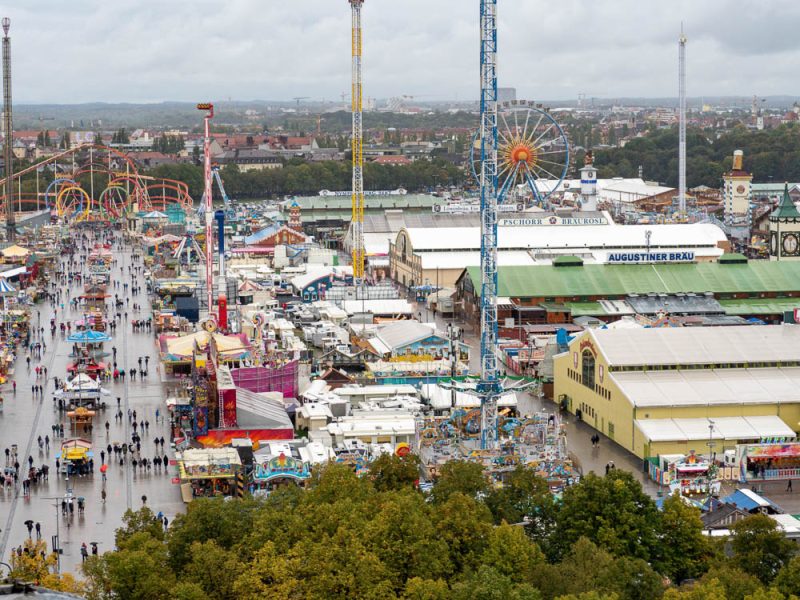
(145, 52)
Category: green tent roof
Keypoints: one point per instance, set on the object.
(619, 280)
(760, 306)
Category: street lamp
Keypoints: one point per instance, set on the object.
(710, 436)
(56, 543)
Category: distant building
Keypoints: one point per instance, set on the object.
(249, 159)
(394, 161)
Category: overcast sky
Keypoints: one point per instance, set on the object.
(69, 51)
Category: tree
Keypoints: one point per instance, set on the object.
(612, 136)
(632, 579)
(214, 570)
(759, 547)
(525, 496)
(788, 578)
(710, 589)
(269, 575)
(138, 521)
(738, 584)
(36, 564)
(391, 472)
(613, 512)
(426, 589)
(593, 595)
(683, 551)
(140, 571)
(464, 525)
(486, 583)
(460, 476)
(227, 523)
(512, 553)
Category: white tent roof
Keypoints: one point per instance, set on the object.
(703, 387)
(441, 398)
(699, 345)
(401, 333)
(579, 237)
(378, 307)
(82, 381)
(722, 428)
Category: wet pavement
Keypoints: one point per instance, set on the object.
(25, 418)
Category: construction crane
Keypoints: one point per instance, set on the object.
(297, 99)
(357, 147)
(489, 387)
(209, 208)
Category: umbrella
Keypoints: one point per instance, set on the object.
(104, 468)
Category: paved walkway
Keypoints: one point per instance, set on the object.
(24, 419)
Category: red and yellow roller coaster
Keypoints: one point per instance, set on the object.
(93, 182)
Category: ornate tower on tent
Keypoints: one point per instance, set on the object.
(294, 217)
(736, 189)
(588, 183)
(784, 230)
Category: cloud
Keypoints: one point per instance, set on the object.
(151, 50)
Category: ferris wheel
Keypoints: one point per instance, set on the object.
(533, 153)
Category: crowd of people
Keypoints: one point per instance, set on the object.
(23, 476)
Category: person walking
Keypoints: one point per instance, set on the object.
(84, 552)
(789, 486)
(38, 530)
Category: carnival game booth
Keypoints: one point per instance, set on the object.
(208, 472)
(76, 457)
(777, 458)
(176, 352)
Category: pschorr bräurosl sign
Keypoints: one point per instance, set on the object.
(639, 257)
(551, 220)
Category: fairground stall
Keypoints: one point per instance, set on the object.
(76, 457)
(177, 351)
(81, 391)
(208, 472)
(770, 460)
(80, 419)
(275, 471)
(691, 475)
